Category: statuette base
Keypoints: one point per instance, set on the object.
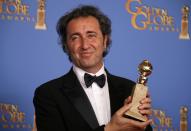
(140, 92)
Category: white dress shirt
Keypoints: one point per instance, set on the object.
(98, 97)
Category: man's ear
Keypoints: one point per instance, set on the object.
(65, 48)
(105, 41)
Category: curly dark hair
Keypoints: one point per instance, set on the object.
(84, 11)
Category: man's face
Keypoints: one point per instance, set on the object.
(86, 43)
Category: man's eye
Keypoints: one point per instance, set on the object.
(74, 38)
(91, 35)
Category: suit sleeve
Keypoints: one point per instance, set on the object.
(47, 115)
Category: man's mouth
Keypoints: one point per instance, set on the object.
(86, 54)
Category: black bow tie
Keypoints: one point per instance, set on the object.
(100, 80)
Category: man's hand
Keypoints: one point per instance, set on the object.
(120, 123)
(145, 106)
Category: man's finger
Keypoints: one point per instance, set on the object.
(145, 100)
(128, 100)
(123, 109)
(146, 112)
(144, 106)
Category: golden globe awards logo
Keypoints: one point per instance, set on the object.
(162, 122)
(145, 17)
(14, 10)
(11, 117)
(152, 18)
(17, 10)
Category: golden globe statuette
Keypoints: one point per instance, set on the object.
(140, 91)
(40, 23)
(183, 118)
(184, 23)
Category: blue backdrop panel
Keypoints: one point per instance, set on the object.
(30, 56)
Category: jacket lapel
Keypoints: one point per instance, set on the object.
(114, 94)
(118, 91)
(78, 97)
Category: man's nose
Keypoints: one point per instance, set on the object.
(85, 43)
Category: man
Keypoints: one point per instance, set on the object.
(78, 101)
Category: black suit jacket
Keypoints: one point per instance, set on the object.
(62, 104)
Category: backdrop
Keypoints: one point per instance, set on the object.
(156, 30)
